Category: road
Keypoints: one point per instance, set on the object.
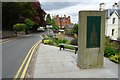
(14, 52)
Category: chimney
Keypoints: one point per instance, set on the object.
(102, 6)
(64, 16)
(115, 6)
(69, 21)
(57, 16)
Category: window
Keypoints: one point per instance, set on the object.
(113, 20)
(113, 32)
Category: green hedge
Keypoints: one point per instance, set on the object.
(109, 52)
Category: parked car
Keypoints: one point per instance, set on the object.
(41, 29)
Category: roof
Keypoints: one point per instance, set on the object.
(109, 12)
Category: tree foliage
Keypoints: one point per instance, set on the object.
(19, 27)
(40, 14)
(26, 26)
(48, 19)
(75, 29)
(29, 23)
(16, 12)
(54, 26)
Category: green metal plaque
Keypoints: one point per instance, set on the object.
(93, 31)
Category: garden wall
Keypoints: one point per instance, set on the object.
(8, 34)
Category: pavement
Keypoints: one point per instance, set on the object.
(53, 63)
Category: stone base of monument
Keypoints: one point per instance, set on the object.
(91, 39)
(91, 59)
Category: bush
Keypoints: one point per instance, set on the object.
(110, 48)
(69, 47)
(19, 27)
(46, 41)
(109, 52)
(68, 42)
(74, 41)
(51, 42)
(61, 41)
(108, 44)
(115, 58)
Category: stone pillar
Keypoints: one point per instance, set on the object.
(91, 39)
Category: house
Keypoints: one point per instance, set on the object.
(62, 22)
(112, 28)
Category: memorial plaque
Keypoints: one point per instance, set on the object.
(91, 39)
(93, 31)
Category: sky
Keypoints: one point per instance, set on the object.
(72, 7)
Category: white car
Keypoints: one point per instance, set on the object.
(41, 29)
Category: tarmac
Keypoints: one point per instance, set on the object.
(53, 63)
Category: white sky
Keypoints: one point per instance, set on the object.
(74, 9)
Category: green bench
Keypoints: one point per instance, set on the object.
(63, 46)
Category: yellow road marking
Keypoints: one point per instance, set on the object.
(18, 72)
(26, 67)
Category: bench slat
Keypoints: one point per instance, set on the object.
(68, 45)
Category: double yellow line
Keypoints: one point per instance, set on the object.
(28, 59)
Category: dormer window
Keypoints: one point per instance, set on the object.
(113, 21)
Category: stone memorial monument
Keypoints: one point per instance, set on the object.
(91, 39)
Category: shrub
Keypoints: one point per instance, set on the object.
(115, 58)
(109, 52)
(19, 27)
(68, 42)
(69, 47)
(61, 41)
(74, 41)
(51, 42)
(46, 41)
(64, 40)
(110, 48)
(108, 44)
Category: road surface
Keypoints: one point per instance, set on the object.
(14, 52)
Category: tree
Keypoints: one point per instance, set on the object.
(48, 19)
(15, 12)
(24, 26)
(75, 29)
(40, 14)
(54, 26)
(29, 24)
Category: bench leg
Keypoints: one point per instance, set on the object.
(76, 49)
(61, 46)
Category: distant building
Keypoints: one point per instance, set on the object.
(112, 28)
(62, 22)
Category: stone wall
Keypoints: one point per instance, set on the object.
(8, 34)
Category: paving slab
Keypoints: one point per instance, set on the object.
(53, 63)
